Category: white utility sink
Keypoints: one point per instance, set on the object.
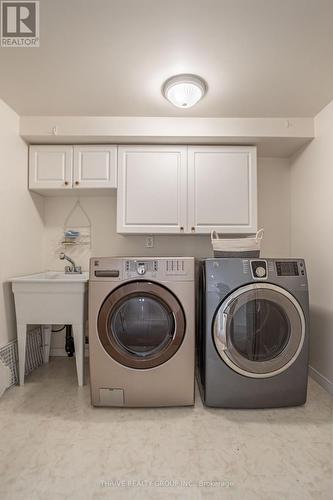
(51, 298)
(51, 276)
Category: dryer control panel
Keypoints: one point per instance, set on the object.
(262, 269)
(225, 274)
(288, 268)
(259, 269)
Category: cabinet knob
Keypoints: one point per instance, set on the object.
(182, 228)
(77, 183)
(193, 229)
(66, 183)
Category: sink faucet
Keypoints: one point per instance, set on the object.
(70, 269)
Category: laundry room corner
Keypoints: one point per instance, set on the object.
(21, 221)
(311, 235)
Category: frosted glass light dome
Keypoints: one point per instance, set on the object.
(184, 91)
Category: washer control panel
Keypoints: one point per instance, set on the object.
(146, 268)
(141, 268)
(135, 267)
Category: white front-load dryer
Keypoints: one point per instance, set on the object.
(253, 332)
(141, 331)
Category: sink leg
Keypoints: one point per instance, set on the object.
(21, 343)
(78, 334)
(46, 335)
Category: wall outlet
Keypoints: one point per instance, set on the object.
(149, 243)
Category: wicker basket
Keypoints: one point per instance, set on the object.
(248, 246)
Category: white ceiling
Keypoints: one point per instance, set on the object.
(264, 58)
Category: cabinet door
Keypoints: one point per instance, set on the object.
(50, 167)
(95, 167)
(222, 189)
(152, 189)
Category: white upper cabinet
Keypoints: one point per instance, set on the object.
(180, 189)
(161, 189)
(55, 169)
(152, 189)
(95, 167)
(50, 167)
(222, 189)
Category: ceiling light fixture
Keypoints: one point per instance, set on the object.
(184, 91)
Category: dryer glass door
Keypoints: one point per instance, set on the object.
(141, 324)
(259, 330)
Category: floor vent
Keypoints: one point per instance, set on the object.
(34, 355)
(8, 355)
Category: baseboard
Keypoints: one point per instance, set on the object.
(323, 381)
(58, 351)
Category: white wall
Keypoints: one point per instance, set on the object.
(274, 205)
(21, 225)
(312, 237)
(279, 137)
(274, 216)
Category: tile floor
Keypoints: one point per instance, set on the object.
(54, 445)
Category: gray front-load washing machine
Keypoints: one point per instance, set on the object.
(252, 332)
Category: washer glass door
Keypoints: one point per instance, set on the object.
(141, 324)
(259, 330)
